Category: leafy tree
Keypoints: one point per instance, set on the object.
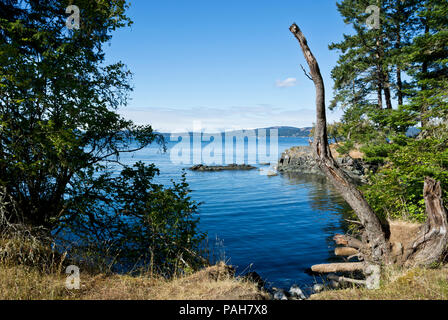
(61, 138)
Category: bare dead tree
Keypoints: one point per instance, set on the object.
(374, 247)
(375, 236)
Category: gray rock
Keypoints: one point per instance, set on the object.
(373, 273)
(301, 160)
(318, 287)
(280, 294)
(296, 292)
(334, 284)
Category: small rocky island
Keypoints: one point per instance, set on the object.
(201, 167)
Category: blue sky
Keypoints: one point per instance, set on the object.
(228, 64)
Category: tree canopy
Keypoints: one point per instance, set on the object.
(392, 81)
(61, 137)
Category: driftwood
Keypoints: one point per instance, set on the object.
(374, 248)
(346, 280)
(338, 267)
(345, 251)
(347, 241)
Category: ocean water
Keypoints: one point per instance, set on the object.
(277, 226)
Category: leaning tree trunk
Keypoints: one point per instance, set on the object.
(375, 237)
(375, 248)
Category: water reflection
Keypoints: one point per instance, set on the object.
(323, 197)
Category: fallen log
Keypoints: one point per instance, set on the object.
(346, 280)
(346, 251)
(347, 241)
(337, 267)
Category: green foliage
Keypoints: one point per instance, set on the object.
(412, 41)
(335, 132)
(61, 137)
(346, 147)
(377, 153)
(137, 222)
(396, 190)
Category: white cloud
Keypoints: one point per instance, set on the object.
(287, 83)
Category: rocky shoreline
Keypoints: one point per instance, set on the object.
(300, 160)
(294, 292)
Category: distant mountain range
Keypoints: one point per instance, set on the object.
(282, 131)
(292, 131)
(285, 132)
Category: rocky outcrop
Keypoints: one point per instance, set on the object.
(301, 160)
(298, 159)
(201, 167)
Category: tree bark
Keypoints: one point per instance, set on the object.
(338, 267)
(425, 68)
(344, 279)
(399, 81)
(345, 251)
(376, 243)
(380, 74)
(379, 92)
(387, 94)
(347, 241)
(431, 243)
(399, 87)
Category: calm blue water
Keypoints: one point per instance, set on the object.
(277, 226)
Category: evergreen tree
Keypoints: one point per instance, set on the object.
(411, 42)
(427, 56)
(372, 62)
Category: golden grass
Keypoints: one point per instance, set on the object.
(413, 284)
(354, 154)
(213, 283)
(27, 283)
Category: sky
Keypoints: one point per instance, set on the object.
(226, 65)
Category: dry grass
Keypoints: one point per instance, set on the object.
(31, 270)
(213, 283)
(414, 284)
(27, 283)
(403, 231)
(301, 151)
(354, 154)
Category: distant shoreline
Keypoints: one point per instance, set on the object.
(283, 132)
